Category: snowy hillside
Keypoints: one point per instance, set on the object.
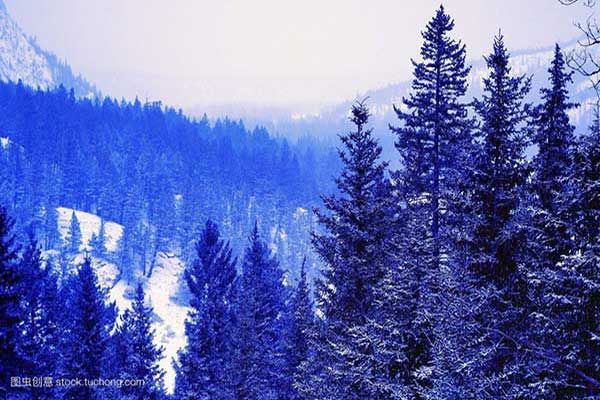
(162, 288)
(22, 59)
(90, 224)
(18, 58)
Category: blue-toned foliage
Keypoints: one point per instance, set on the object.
(471, 272)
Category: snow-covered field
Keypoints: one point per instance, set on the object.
(161, 288)
(89, 224)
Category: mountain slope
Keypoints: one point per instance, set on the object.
(329, 121)
(162, 288)
(22, 59)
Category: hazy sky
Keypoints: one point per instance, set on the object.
(268, 51)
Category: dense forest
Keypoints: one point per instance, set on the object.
(469, 272)
(154, 171)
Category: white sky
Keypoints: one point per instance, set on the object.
(193, 52)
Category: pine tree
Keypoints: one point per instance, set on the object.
(74, 235)
(140, 356)
(88, 322)
(10, 296)
(352, 247)
(39, 329)
(205, 368)
(553, 163)
(301, 325)
(497, 175)
(433, 141)
(557, 271)
(434, 135)
(98, 241)
(259, 344)
(564, 336)
(52, 237)
(498, 166)
(355, 225)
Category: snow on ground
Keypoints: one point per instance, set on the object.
(121, 294)
(107, 272)
(89, 224)
(162, 287)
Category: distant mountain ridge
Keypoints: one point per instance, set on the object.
(327, 122)
(21, 58)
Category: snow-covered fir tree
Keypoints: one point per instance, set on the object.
(433, 141)
(11, 283)
(140, 355)
(259, 336)
(435, 132)
(498, 167)
(494, 238)
(205, 369)
(552, 166)
(563, 339)
(300, 327)
(553, 256)
(87, 322)
(356, 230)
(98, 241)
(73, 238)
(40, 334)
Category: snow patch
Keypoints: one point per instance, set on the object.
(162, 288)
(89, 224)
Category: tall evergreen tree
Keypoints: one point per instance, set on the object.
(301, 325)
(564, 337)
(353, 249)
(434, 134)
(205, 368)
(433, 141)
(141, 356)
(88, 322)
(52, 236)
(553, 164)
(260, 362)
(354, 226)
(39, 329)
(10, 297)
(496, 179)
(555, 266)
(98, 241)
(498, 166)
(73, 235)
